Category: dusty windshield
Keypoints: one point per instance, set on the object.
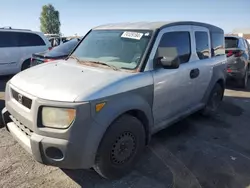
(119, 48)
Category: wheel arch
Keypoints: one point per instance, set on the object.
(142, 117)
(27, 60)
(218, 77)
(131, 104)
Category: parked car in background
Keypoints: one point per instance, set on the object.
(120, 85)
(238, 58)
(59, 52)
(17, 47)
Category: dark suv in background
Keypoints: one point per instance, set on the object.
(238, 58)
(59, 52)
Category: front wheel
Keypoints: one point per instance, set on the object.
(120, 147)
(214, 100)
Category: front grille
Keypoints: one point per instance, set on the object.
(25, 101)
(22, 127)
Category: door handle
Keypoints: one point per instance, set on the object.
(194, 73)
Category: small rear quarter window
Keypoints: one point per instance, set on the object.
(218, 44)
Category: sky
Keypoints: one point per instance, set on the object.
(79, 16)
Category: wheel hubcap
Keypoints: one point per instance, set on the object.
(123, 148)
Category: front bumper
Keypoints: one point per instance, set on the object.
(71, 148)
(46, 150)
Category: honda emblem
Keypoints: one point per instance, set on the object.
(20, 98)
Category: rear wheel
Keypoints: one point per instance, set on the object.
(214, 101)
(120, 147)
(25, 65)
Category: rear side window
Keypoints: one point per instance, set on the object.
(8, 39)
(202, 44)
(29, 39)
(231, 42)
(180, 41)
(218, 44)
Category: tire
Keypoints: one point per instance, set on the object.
(214, 100)
(242, 83)
(25, 65)
(120, 147)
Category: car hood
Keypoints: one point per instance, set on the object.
(67, 81)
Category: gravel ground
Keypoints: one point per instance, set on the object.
(197, 152)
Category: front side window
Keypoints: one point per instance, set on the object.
(122, 49)
(179, 42)
(202, 44)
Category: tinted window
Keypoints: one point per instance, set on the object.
(202, 44)
(180, 41)
(8, 39)
(29, 39)
(231, 42)
(66, 47)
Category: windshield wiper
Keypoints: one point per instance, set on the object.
(102, 63)
(97, 62)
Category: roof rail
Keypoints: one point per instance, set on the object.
(8, 27)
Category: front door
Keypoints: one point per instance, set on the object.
(174, 88)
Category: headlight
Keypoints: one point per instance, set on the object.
(57, 117)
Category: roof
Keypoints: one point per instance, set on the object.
(14, 29)
(154, 25)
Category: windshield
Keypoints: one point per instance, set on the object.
(122, 49)
(231, 42)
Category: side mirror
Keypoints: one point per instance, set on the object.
(168, 57)
(169, 63)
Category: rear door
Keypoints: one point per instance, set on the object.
(9, 52)
(203, 61)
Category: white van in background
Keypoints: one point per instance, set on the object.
(17, 47)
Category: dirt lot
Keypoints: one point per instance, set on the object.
(197, 152)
